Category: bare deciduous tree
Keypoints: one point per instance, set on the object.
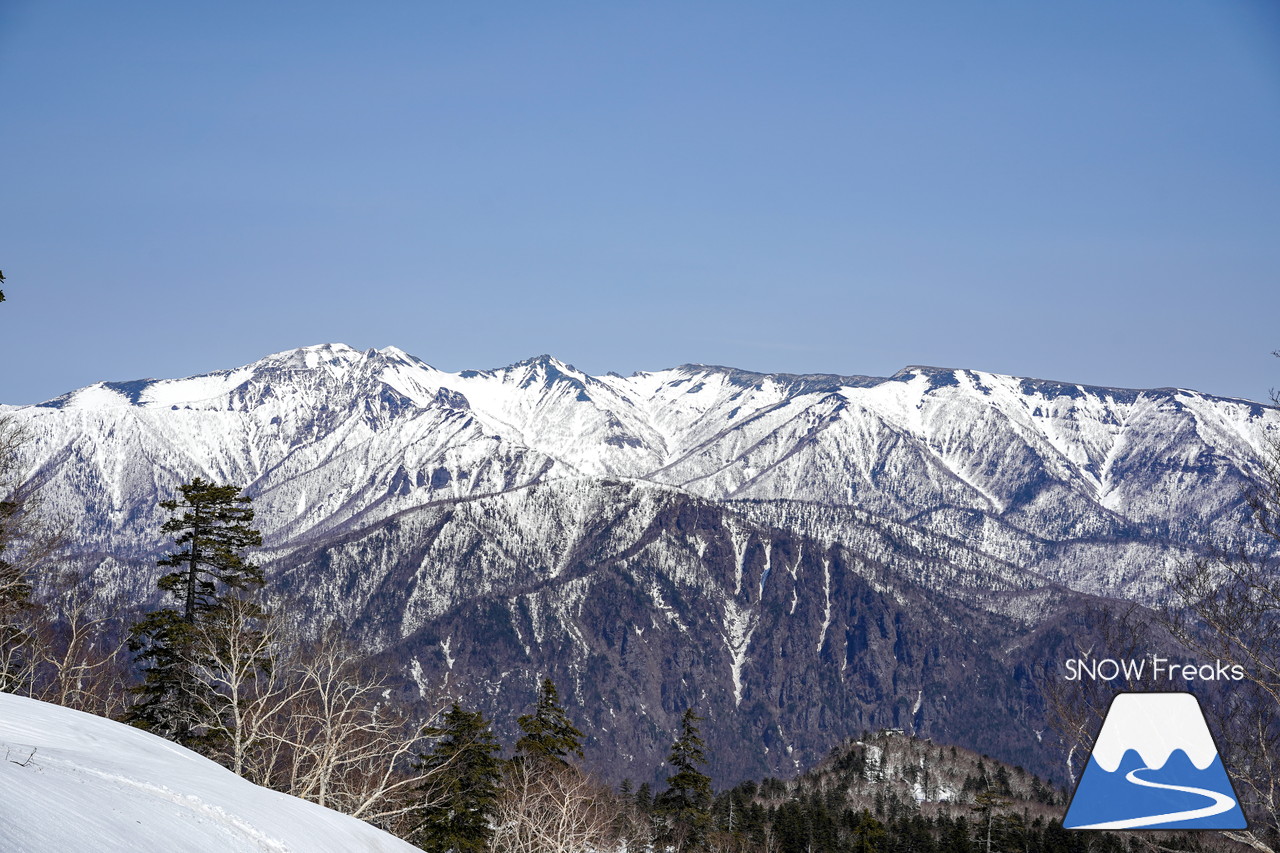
(28, 543)
(351, 747)
(549, 807)
(1075, 709)
(250, 688)
(1226, 606)
(737, 842)
(305, 717)
(82, 665)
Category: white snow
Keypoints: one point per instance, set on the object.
(739, 553)
(97, 397)
(328, 436)
(826, 612)
(196, 389)
(871, 768)
(739, 624)
(71, 781)
(768, 566)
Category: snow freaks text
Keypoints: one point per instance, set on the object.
(1153, 667)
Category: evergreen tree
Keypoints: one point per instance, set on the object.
(548, 734)
(792, 829)
(213, 524)
(644, 798)
(955, 836)
(685, 807)
(465, 773)
(868, 833)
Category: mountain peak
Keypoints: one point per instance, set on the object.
(922, 368)
(795, 383)
(313, 356)
(546, 361)
(394, 353)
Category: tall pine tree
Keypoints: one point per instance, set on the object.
(548, 734)
(212, 526)
(684, 809)
(465, 773)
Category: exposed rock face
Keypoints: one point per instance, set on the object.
(786, 646)
(801, 557)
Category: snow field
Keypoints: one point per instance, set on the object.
(71, 781)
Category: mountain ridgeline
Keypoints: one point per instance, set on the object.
(800, 557)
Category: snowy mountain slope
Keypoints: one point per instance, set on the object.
(806, 555)
(329, 439)
(641, 600)
(1126, 560)
(73, 781)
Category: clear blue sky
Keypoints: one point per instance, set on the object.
(1084, 190)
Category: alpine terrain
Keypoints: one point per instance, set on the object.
(801, 558)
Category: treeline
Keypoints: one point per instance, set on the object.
(825, 825)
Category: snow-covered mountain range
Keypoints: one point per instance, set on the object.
(806, 555)
(328, 438)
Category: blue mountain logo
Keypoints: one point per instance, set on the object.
(1154, 766)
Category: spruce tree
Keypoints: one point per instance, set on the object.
(548, 734)
(685, 807)
(868, 833)
(212, 526)
(644, 798)
(465, 773)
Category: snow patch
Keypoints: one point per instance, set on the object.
(739, 624)
(826, 612)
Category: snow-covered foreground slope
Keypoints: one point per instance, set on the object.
(73, 781)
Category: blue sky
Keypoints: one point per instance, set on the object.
(1087, 191)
